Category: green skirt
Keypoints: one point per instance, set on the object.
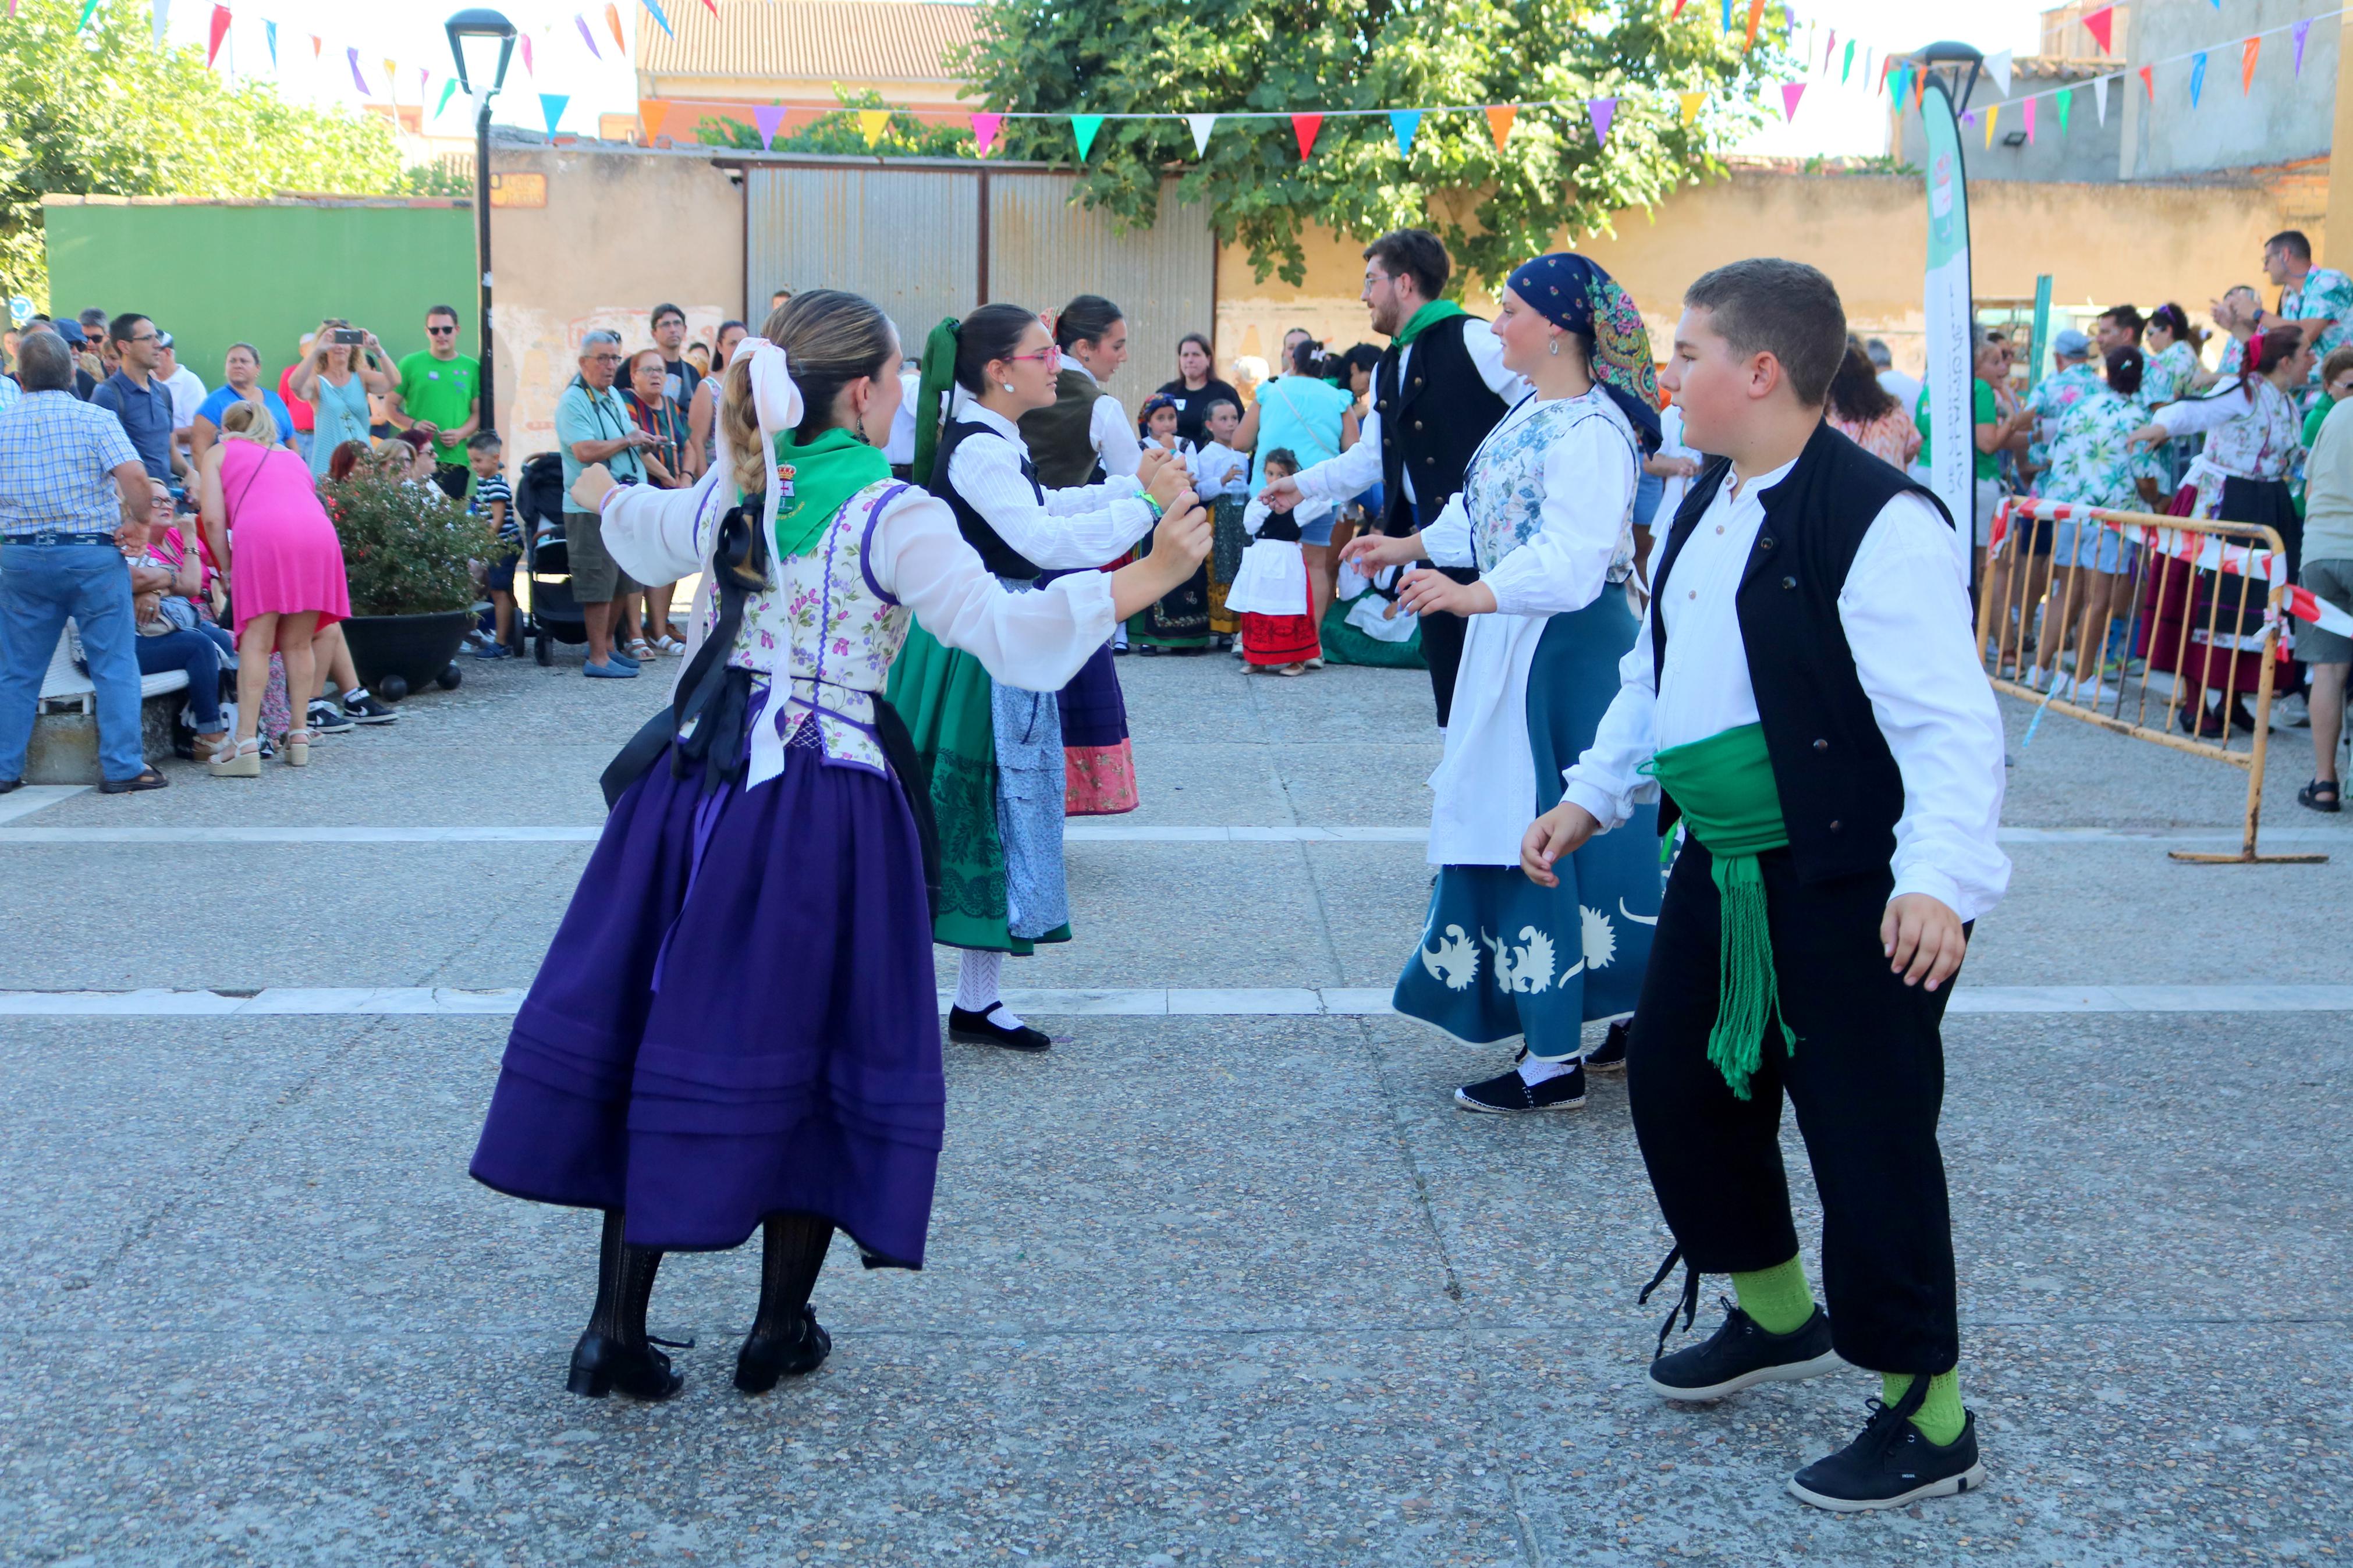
(944, 694)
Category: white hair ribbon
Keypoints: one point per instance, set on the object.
(776, 403)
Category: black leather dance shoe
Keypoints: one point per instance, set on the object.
(601, 1364)
(982, 1028)
(765, 1358)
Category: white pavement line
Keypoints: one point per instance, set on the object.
(31, 798)
(560, 834)
(1271, 1001)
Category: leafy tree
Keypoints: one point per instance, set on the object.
(1493, 209)
(838, 134)
(100, 110)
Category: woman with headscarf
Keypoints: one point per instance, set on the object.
(1546, 515)
(734, 1030)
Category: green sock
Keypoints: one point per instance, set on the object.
(1941, 1415)
(1778, 1298)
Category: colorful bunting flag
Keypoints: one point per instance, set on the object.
(1678, 10)
(872, 123)
(1886, 70)
(315, 42)
(985, 127)
(448, 88)
(357, 80)
(2149, 80)
(1083, 127)
(1919, 90)
(90, 6)
(765, 118)
(1200, 125)
(1690, 102)
(2100, 96)
(1755, 15)
(1305, 127)
(219, 31)
(1602, 111)
(1727, 18)
(392, 81)
(270, 33)
(613, 20)
(1499, 122)
(2029, 121)
(586, 37)
(2303, 30)
(1403, 124)
(652, 113)
(1993, 112)
(1829, 50)
(1846, 65)
(527, 67)
(551, 104)
(1903, 80)
(2101, 24)
(2197, 77)
(162, 20)
(1790, 92)
(1999, 67)
(712, 5)
(2247, 53)
(661, 20)
(2066, 96)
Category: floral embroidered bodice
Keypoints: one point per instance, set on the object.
(831, 629)
(1503, 490)
(2262, 444)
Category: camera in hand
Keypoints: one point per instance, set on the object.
(351, 336)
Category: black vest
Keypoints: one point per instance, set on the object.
(1433, 423)
(1061, 436)
(994, 554)
(1841, 791)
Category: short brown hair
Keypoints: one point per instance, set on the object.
(2293, 241)
(1786, 308)
(2338, 361)
(1416, 252)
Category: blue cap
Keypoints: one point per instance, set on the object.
(2071, 344)
(71, 332)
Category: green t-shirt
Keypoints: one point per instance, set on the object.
(440, 392)
(1983, 409)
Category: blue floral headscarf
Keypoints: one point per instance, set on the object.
(1576, 295)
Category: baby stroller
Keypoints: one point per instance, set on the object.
(555, 614)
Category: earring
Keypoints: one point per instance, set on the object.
(1008, 387)
(1554, 348)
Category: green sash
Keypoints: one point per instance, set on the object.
(818, 477)
(1724, 787)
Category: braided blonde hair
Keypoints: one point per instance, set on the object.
(830, 337)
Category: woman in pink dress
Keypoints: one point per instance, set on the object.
(285, 566)
(1867, 414)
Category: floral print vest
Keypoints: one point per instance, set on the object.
(2262, 444)
(829, 627)
(1503, 489)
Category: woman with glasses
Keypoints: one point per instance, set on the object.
(336, 381)
(994, 754)
(668, 466)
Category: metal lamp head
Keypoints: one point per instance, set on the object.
(473, 32)
(1957, 66)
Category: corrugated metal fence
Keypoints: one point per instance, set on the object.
(928, 241)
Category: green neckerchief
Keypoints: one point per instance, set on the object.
(1724, 787)
(818, 479)
(1429, 316)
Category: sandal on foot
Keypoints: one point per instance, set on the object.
(238, 759)
(295, 747)
(2320, 795)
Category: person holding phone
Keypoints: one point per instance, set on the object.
(344, 366)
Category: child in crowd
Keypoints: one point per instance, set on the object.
(1157, 425)
(493, 502)
(1221, 479)
(1269, 591)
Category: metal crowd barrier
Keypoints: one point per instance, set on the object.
(2183, 630)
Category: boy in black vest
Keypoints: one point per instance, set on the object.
(1806, 697)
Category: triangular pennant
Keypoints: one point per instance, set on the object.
(767, 118)
(219, 31)
(1919, 89)
(316, 42)
(1886, 70)
(1999, 67)
(551, 104)
(1901, 82)
(1602, 111)
(659, 20)
(357, 80)
(2100, 96)
(1846, 65)
(2197, 77)
(2028, 106)
(712, 5)
(2102, 25)
(613, 20)
(448, 88)
(1790, 92)
(586, 37)
(2066, 96)
(2302, 31)
(1678, 10)
(528, 68)
(652, 113)
(1829, 50)
(2149, 80)
(1755, 15)
(985, 127)
(872, 123)
(1993, 112)
(89, 9)
(1727, 18)
(270, 33)
(392, 81)
(1499, 122)
(163, 20)
(1690, 102)
(1083, 128)
(1403, 124)
(1200, 125)
(1305, 127)
(2247, 53)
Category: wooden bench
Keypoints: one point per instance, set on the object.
(64, 749)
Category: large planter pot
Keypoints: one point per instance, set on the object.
(416, 648)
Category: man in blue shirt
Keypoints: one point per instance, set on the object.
(137, 397)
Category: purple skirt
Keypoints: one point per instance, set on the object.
(737, 1017)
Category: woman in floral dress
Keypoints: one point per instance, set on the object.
(1546, 513)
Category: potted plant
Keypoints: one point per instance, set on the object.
(406, 551)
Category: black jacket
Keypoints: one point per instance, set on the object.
(1432, 425)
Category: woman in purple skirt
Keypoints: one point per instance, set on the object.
(735, 1029)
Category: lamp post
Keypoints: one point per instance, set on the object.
(482, 41)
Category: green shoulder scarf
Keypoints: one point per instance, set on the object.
(818, 479)
(1429, 316)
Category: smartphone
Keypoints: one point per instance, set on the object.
(350, 335)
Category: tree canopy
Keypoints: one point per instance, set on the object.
(100, 110)
(1495, 207)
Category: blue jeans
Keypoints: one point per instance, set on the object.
(40, 585)
(200, 657)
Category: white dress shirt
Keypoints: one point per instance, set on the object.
(1906, 612)
(1109, 430)
(1083, 526)
(1358, 468)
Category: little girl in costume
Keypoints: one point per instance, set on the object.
(1179, 623)
(1221, 476)
(1271, 591)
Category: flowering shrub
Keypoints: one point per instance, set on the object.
(406, 547)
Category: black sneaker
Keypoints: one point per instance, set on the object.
(365, 709)
(1893, 1463)
(325, 718)
(1609, 1056)
(1741, 1355)
(980, 1029)
(1508, 1094)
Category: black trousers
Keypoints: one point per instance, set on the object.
(1866, 1079)
(1441, 631)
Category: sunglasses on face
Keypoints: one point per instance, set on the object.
(440, 331)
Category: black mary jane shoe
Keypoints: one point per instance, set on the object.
(601, 1364)
(765, 1358)
(982, 1029)
(2320, 795)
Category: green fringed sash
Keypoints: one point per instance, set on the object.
(1724, 787)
